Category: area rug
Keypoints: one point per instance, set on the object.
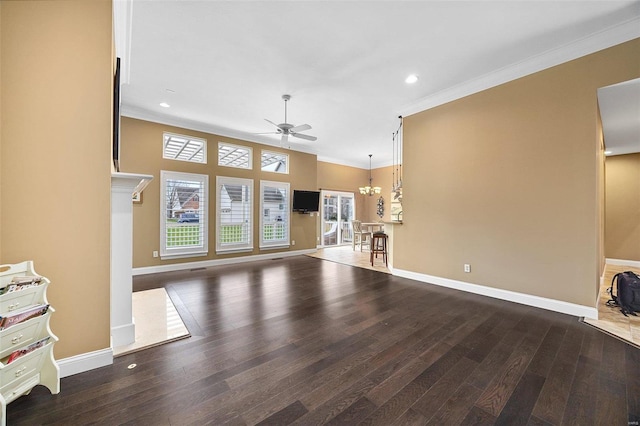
(156, 319)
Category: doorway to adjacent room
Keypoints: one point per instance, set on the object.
(338, 209)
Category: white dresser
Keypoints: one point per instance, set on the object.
(26, 340)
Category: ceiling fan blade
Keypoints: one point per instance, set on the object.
(307, 137)
(270, 122)
(267, 133)
(300, 128)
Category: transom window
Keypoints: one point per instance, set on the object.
(234, 156)
(184, 148)
(275, 162)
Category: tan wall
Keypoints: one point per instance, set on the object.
(141, 152)
(56, 90)
(336, 177)
(622, 228)
(507, 181)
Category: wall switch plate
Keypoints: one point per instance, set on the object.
(155, 253)
(293, 242)
(467, 267)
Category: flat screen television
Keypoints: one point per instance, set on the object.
(306, 201)
(116, 117)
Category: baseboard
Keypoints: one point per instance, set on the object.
(511, 296)
(85, 362)
(622, 262)
(217, 262)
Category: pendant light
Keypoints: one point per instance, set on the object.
(370, 190)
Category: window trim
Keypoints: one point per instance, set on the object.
(250, 155)
(278, 244)
(236, 248)
(195, 138)
(192, 251)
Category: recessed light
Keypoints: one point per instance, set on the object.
(608, 153)
(411, 79)
(164, 105)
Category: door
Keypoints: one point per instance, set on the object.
(338, 209)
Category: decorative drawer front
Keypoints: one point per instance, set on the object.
(22, 334)
(21, 299)
(22, 369)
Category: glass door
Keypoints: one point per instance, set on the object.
(338, 209)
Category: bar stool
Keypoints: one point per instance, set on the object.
(379, 245)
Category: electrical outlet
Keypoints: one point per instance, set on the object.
(155, 253)
(467, 267)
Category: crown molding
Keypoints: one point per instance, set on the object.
(612, 36)
(146, 115)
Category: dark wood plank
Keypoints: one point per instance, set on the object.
(307, 342)
(518, 409)
(286, 415)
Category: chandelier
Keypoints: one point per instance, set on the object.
(370, 190)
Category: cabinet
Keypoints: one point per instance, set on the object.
(26, 340)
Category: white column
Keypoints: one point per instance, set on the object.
(123, 185)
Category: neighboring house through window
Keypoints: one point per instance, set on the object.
(274, 221)
(234, 218)
(184, 214)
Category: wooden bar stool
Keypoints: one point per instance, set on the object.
(379, 245)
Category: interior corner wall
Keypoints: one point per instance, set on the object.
(622, 224)
(337, 177)
(55, 158)
(141, 152)
(506, 180)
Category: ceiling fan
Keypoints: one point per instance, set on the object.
(285, 129)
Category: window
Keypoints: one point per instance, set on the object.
(275, 162)
(234, 208)
(184, 148)
(184, 214)
(274, 222)
(234, 156)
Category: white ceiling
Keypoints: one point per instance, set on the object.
(224, 65)
(620, 112)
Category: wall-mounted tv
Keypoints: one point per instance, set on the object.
(116, 117)
(306, 201)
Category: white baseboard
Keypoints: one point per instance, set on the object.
(512, 296)
(622, 262)
(85, 362)
(217, 262)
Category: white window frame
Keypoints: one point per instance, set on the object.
(242, 246)
(168, 135)
(286, 215)
(203, 212)
(275, 153)
(231, 145)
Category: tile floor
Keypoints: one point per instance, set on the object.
(156, 319)
(610, 319)
(348, 256)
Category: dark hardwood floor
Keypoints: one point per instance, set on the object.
(305, 341)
